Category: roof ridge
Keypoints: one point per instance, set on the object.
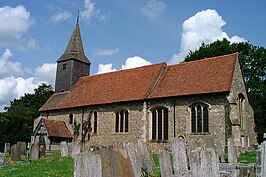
(209, 58)
(156, 80)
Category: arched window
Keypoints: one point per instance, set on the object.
(159, 124)
(121, 121)
(71, 118)
(240, 102)
(95, 123)
(199, 118)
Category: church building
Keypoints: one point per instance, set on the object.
(155, 103)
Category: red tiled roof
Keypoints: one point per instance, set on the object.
(124, 85)
(54, 101)
(56, 128)
(210, 75)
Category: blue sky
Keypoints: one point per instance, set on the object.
(116, 34)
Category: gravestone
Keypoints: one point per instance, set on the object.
(87, 164)
(15, 153)
(195, 161)
(209, 163)
(165, 164)
(134, 156)
(231, 151)
(145, 155)
(179, 155)
(7, 148)
(201, 143)
(22, 146)
(75, 149)
(115, 163)
(219, 151)
(2, 159)
(34, 152)
(64, 149)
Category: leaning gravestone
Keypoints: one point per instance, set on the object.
(2, 159)
(179, 156)
(7, 148)
(134, 156)
(87, 164)
(219, 151)
(34, 152)
(22, 146)
(231, 151)
(64, 149)
(15, 153)
(145, 155)
(165, 164)
(74, 149)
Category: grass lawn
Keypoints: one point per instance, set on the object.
(53, 165)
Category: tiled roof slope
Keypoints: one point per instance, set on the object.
(124, 85)
(54, 101)
(57, 128)
(74, 48)
(210, 75)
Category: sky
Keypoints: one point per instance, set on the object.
(116, 34)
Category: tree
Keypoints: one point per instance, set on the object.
(19, 117)
(253, 63)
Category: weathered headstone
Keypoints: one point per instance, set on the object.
(87, 164)
(7, 148)
(115, 163)
(2, 159)
(134, 156)
(15, 153)
(179, 156)
(75, 149)
(22, 146)
(34, 152)
(64, 149)
(209, 163)
(231, 151)
(195, 161)
(165, 164)
(145, 155)
(219, 150)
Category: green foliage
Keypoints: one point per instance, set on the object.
(53, 165)
(16, 123)
(253, 63)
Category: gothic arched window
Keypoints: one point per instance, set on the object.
(199, 118)
(71, 118)
(121, 121)
(159, 124)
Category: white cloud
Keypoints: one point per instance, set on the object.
(107, 51)
(134, 62)
(205, 26)
(105, 68)
(91, 11)
(14, 22)
(153, 8)
(12, 87)
(7, 67)
(61, 16)
(46, 73)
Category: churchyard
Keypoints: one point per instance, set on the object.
(132, 160)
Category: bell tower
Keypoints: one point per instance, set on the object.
(73, 64)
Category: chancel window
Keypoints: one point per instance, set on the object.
(240, 103)
(199, 118)
(121, 121)
(95, 122)
(159, 124)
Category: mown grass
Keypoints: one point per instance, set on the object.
(53, 165)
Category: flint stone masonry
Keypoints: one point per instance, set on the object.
(87, 164)
(64, 149)
(7, 148)
(15, 153)
(34, 152)
(2, 159)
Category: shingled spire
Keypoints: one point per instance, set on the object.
(74, 48)
(73, 64)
